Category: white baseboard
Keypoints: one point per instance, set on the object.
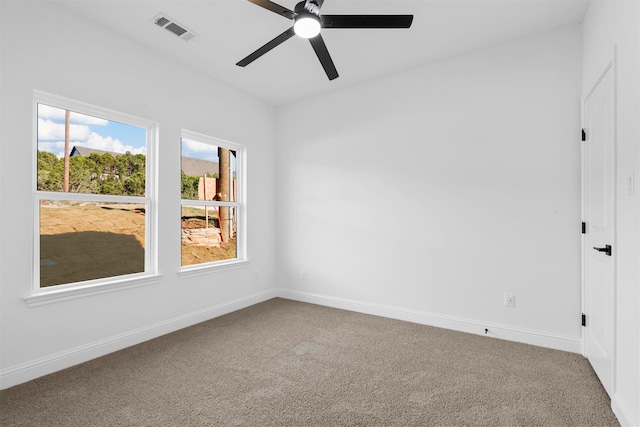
(622, 412)
(46, 365)
(36, 368)
(528, 336)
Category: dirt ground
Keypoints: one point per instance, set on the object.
(86, 241)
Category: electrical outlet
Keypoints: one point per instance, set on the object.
(303, 275)
(509, 300)
(255, 277)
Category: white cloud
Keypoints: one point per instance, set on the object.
(199, 150)
(95, 141)
(52, 131)
(99, 142)
(55, 147)
(58, 115)
(199, 147)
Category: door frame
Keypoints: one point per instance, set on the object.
(609, 67)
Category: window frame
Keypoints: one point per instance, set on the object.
(39, 295)
(241, 258)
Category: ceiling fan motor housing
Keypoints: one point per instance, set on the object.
(308, 6)
(307, 21)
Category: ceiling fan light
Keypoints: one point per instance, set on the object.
(307, 26)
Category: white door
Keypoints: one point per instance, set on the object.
(598, 212)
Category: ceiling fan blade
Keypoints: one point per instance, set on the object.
(267, 47)
(280, 10)
(323, 55)
(366, 21)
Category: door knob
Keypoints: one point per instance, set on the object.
(606, 249)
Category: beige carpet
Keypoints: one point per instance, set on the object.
(294, 364)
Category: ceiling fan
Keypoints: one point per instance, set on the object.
(308, 22)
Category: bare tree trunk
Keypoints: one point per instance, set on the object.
(66, 151)
(223, 191)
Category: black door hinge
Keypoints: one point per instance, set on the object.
(584, 319)
(584, 135)
(584, 227)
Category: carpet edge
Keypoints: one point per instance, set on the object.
(509, 333)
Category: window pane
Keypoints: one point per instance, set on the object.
(208, 172)
(203, 239)
(104, 156)
(83, 241)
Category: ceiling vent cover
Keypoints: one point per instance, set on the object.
(163, 21)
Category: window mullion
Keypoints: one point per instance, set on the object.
(83, 197)
(209, 203)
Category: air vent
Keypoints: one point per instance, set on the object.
(175, 29)
(163, 21)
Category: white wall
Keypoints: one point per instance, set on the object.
(607, 23)
(46, 48)
(429, 194)
(424, 196)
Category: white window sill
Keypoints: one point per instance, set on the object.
(60, 293)
(199, 270)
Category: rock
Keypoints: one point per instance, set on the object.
(208, 237)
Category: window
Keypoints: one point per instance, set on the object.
(93, 196)
(211, 202)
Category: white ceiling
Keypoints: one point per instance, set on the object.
(229, 30)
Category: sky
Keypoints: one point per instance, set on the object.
(204, 151)
(107, 135)
(87, 131)
(199, 150)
